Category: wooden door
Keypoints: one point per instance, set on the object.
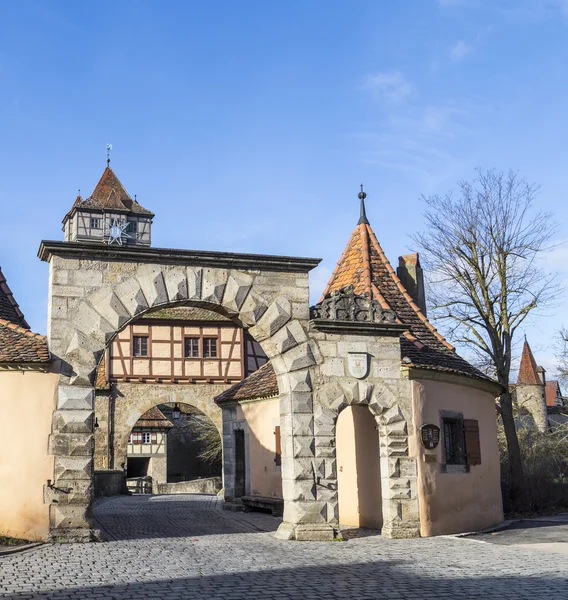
(240, 465)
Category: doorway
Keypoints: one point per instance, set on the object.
(240, 466)
(358, 469)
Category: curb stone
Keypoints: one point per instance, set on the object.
(22, 548)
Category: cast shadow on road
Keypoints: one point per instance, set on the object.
(141, 517)
(363, 581)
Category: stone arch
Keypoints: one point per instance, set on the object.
(272, 304)
(398, 468)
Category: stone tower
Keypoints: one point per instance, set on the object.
(530, 388)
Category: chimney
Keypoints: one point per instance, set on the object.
(412, 277)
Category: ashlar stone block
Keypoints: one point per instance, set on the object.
(73, 468)
(107, 304)
(213, 285)
(151, 280)
(175, 279)
(132, 296)
(303, 490)
(69, 516)
(300, 357)
(72, 421)
(71, 444)
(290, 336)
(252, 310)
(72, 397)
(194, 283)
(236, 290)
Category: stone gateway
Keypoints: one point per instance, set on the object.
(329, 426)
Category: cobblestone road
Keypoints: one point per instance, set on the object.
(176, 547)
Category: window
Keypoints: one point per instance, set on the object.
(140, 345)
(146, 437)
(130, 439)
(131, 227)
(191, 347)
(95, 223)
(209, 347)
(454, 445)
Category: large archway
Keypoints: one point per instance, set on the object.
(95, 291)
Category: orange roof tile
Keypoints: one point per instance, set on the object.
(528, 371)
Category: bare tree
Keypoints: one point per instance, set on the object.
(562, 355)
(481, 248)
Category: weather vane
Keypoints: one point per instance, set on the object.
(109, 148)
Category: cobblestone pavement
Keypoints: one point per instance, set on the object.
(176, 547)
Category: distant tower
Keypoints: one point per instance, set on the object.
(109, 215)
(530, 388)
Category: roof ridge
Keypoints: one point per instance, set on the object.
(404, 291)
(20, 329)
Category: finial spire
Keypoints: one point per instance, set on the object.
(363, 217)
(109, 148)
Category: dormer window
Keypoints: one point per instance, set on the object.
(95, 223)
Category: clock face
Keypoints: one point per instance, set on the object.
(115, 232)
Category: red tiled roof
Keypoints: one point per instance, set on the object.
(9, 308)
(109, 194)
(260, 384)
(552, 391)
(528, 371)
(19, 345)
(186, 313)
(364, 265)
(153, 418)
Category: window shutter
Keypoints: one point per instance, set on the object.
(278, 450)
(137, 437)
(154, 437)
(472, 445)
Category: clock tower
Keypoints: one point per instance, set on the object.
(109, 215)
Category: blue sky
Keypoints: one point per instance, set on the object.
(248, 126)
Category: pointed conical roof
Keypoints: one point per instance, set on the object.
(528, 371)
(110, 194)
(364, 265)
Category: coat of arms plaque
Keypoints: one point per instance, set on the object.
(358, 363)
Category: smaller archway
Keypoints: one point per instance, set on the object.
(358, 468)
(174, 448)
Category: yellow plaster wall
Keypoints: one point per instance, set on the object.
(457, 502)
(27, 402)
(262, 418)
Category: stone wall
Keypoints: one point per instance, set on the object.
(208, 485)
(532, 399)
(109, 483)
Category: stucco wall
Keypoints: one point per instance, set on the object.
(457, 502)
(261, 419)
(27, 402)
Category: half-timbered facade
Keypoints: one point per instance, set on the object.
(184, 345)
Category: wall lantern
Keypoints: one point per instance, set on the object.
(176, 412)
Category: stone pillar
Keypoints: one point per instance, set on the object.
(71, 442)
(399, 488)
